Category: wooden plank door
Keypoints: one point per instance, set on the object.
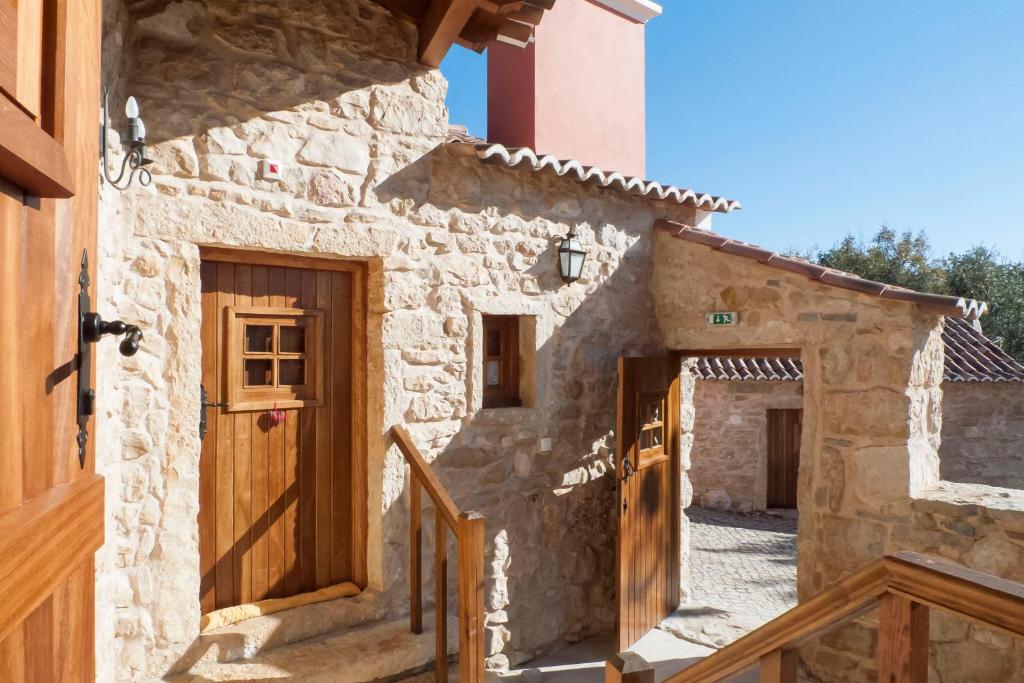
(279, 514)
(647, 464)
(51, 505)
(784, 426)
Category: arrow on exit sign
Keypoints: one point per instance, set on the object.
(722, 318)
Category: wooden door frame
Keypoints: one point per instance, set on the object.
(359, 467)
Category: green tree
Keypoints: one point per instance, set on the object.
(982, 273)
(906, 260)
(897, 259)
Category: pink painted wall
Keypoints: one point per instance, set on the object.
(578, 92)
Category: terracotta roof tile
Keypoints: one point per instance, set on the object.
(524, 157)
(970, 357)
(973, 357)
(969, 308)
(747, 369)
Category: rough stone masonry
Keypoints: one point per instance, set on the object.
(331, 89)
(869, 469)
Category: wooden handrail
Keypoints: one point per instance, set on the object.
(426, 476)
(905, 585)
(468, 528)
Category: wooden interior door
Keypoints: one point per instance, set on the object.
(784, 426)
(51, 504)
(647, 465)
(282, 502)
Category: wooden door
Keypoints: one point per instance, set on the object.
(647, 464)
(51, 504)
(784, 427)
(282, 504)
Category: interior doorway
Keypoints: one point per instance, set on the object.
(282, 466)
(744, 459)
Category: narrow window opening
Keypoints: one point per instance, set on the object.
(501, 361)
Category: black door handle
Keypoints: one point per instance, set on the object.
(627, 469)
(91, 328)
(203, 405)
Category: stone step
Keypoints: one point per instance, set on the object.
(258, 635)
(380, 651)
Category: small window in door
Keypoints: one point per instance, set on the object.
(273, 358)
(651, 420)
(501, 361)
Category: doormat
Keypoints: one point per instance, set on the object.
(232, 615)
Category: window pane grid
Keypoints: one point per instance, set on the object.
(274, 354)
(650, 417)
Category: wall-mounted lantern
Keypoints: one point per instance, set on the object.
(135, 160)
(570, 258)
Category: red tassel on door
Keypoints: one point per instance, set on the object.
(275, 416)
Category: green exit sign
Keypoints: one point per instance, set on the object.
(722, 318)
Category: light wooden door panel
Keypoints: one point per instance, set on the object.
(784, 426)
(278, 515)
(21, 61)
(51, 506)
(647, 465)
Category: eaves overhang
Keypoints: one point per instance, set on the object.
(470, 23)
(952, 305)
(524, 158)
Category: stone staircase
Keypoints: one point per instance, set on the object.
(343, 641)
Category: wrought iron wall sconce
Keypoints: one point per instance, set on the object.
(91, 328)
(134, 140)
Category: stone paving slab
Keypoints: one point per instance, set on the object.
(742, 574)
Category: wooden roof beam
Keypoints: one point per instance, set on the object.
(409, 8)
(443, 21)
(515, 28)
(504, 6)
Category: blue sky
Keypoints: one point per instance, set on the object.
(828, 118)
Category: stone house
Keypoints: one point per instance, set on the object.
(733, 465)
(321, 257)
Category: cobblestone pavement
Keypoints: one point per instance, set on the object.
(742, 574)
(743, 561)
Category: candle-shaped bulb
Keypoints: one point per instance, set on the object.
(131, 108)
(142, 130)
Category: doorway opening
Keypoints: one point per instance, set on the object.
(283, 463)
(744, 460)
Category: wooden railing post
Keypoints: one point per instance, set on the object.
(628, 667)
(471, 597)
(416, 556)
(902, 640)
(780, 666)
(441, 596)
(469, 533)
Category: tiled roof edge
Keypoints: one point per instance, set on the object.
(965, 308)
(493, 153)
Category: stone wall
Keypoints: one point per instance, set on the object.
(982, 433)
(869, 469)
(331, 89)
(729, 459)
(982, 429)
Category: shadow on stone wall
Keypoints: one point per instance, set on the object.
(550, 515)
(262, 57)
(223, 83)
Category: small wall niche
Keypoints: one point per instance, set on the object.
(503, 360)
